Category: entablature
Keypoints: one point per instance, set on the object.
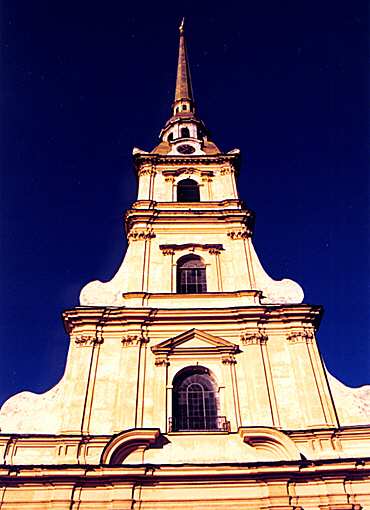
(231, 203)
(208, 300)
(241, 316)
(175, 172)
(189, 216)
(70, 451)
(172, 248)
(156, 160)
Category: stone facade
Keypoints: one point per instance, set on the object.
(283, 434)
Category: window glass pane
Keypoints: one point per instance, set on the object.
(192, 280)
(195, 403)
(188, 191)
(191, 275)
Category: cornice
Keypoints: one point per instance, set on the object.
(190, 216)
(348, 431)
(191, 160)
(227, 204)
(299, 469)
(309, 315)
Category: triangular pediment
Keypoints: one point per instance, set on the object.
(195, 340)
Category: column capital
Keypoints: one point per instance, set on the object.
(255, 338)
(297, 337)
(131, 340)
(87, 340)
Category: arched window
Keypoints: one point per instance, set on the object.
(185, 133)
(191, 275)
(195, 403)
(170, 137)
(188, 191)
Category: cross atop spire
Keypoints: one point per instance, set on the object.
(181, 27)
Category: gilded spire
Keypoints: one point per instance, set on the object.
(184, 89)
(183, 122)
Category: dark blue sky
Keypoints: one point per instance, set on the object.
(85, 82)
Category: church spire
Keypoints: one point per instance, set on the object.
(184, 91)
(184, 124)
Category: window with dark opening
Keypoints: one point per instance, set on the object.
(195, 403)
(170, 137)
(191, 275)
(185, 133)
(184, 107)
(188, 191)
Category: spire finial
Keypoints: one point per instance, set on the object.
(181, 27)
(183, 80)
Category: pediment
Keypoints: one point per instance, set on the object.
(195, 341)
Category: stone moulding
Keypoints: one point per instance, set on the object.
(226, 171)
(187, 170)
(207, 345)
(147, 171)
(86, 340)
(228, 360)
(265, 314)
(244, 233)
(341, 506)
(270, 443)
(155, 159)
(140, 235)
(126, 442)
(171, 248)
(130, 340)
(298, 337)
(255, 338)
(161, 361)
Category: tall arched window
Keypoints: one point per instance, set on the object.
(191, 275)
(188, 191)
(185, 133)
(195, 403)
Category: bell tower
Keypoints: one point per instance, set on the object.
(193, 377)
(188, 203)
(216, 344)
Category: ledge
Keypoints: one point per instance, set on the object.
(203, 300)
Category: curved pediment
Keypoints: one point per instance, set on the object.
(270, 444)
(127, 442)
(196, 341)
